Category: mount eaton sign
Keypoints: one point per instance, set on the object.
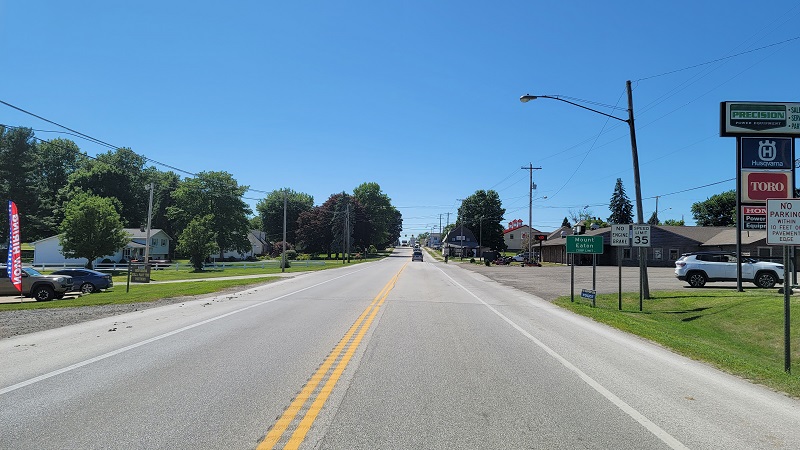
(757, 187)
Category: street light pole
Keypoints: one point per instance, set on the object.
(645, 288)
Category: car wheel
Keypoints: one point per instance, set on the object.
(765, 280)
(88, 288)
(43, 293)
(697, 279)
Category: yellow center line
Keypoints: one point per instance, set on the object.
(294, 408)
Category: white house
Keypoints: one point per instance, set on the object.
(515, 233)
(258, 246)
(48, 250)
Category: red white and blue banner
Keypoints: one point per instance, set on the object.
(14, 262)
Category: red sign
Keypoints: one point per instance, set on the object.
(754, 210)
(14, 262)
(759, 186)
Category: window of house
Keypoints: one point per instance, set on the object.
(764, 252)
(511, 236)
(626, 253)
(154, 242)
(163, 242)
(658, 254)
(674, 254)
(126, 253)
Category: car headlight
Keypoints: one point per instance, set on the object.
(61, 280)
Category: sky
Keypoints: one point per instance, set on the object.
(420, 97)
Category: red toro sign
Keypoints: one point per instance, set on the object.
(759, 186)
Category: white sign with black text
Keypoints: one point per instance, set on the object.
(641, 235)
(620, 235)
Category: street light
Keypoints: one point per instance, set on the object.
(635, 154)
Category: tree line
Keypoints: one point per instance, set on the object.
(88, 200)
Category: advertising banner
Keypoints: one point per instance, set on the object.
(14, 261)
(773, 118)
(757, 187)
(767, 153)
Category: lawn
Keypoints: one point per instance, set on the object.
(738, 332)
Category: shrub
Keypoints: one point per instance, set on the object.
(291, 254)
(472, 260)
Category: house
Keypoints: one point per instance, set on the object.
(434, 240)
(258, 246)
(48, 250)
(461, 239)
(516, 233)
(668, 243)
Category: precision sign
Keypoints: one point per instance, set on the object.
(783, 221)
(753, 118)
(585, 244)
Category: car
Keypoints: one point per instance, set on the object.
(87, 280)
(40, 287)
(522, 257)
(698, 268)
(417, 256)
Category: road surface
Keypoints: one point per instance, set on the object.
(391, 354)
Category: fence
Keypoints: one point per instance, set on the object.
(113, 267)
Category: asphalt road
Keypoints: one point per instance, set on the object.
(391, 354)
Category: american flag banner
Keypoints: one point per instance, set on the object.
(14, 262)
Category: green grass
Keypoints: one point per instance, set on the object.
(140, 293)
(738, 332)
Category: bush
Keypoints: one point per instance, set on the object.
(291, 255)
(472, 260)
(487, 262)
(288, 264)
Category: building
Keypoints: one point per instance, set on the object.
(461, 239)
(516, 233)
(48, 250)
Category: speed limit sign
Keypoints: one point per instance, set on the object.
(641, 236)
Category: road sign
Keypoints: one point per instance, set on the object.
(641, 235)
(585, 244)
(783, 221)
(620, 235)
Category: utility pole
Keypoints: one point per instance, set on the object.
(645, 285)
(283, 255)
(149, 219)
(531, 187)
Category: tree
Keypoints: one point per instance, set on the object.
(119, 174)
(653, 220)
(674, 222)
(620, 206)
(718, 210)
(565, 223)
(91, 228)
(270, 210)
(164, 184)
(314, 231)
(197, 241)
(482, 213)
(57, 160)
(584, 214)
(381, 215)
(218, 196)
(18, 161)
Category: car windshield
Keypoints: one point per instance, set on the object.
(32, 272)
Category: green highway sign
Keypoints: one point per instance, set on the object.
(585, 244)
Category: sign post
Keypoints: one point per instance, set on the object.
(620, 237)
(583, 245)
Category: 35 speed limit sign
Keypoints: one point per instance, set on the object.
(641, 235)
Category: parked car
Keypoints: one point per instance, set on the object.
(524, 256)
(697, 268)
(86, 280)
(34, 284)
(417, 256)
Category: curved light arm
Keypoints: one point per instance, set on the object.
(527, 97)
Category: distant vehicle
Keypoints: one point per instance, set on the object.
(522, 257)
(86, 280)
(41, 287)
(404, 243)
(417, 256)
(697, 268)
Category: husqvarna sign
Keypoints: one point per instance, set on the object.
(767, 153)
(754, 118)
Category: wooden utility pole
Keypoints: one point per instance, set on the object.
(645, 286)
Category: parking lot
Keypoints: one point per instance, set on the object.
(551, 282)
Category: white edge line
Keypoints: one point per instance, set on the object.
(43, 377)
(628, 409)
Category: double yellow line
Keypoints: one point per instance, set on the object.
(344, 349)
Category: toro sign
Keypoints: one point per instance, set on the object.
(759, 186)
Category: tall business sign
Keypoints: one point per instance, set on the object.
(14, 260)
(765, 133)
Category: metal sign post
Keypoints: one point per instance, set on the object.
(583, 245)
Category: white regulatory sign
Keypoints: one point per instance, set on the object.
(783, 221)
(620, 235)
(641, 235)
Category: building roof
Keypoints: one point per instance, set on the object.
(728, 237)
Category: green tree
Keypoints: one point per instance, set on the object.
(218, 196)
(482, 213)
(565, 223)
(118, 174)
(381, 214)
(620, 206)
(18, 162)
(197, 241)
(674, 223)
(91, 228)
(270, 210)
(718, 210)
(164, 184)
(653, 220)
(57, 160)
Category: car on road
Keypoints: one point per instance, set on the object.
(40, 287)
(417, 255)
(698, 268)
(87, 280)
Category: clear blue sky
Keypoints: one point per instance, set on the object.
(420, 97)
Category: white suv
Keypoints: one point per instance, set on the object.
(699, 267)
